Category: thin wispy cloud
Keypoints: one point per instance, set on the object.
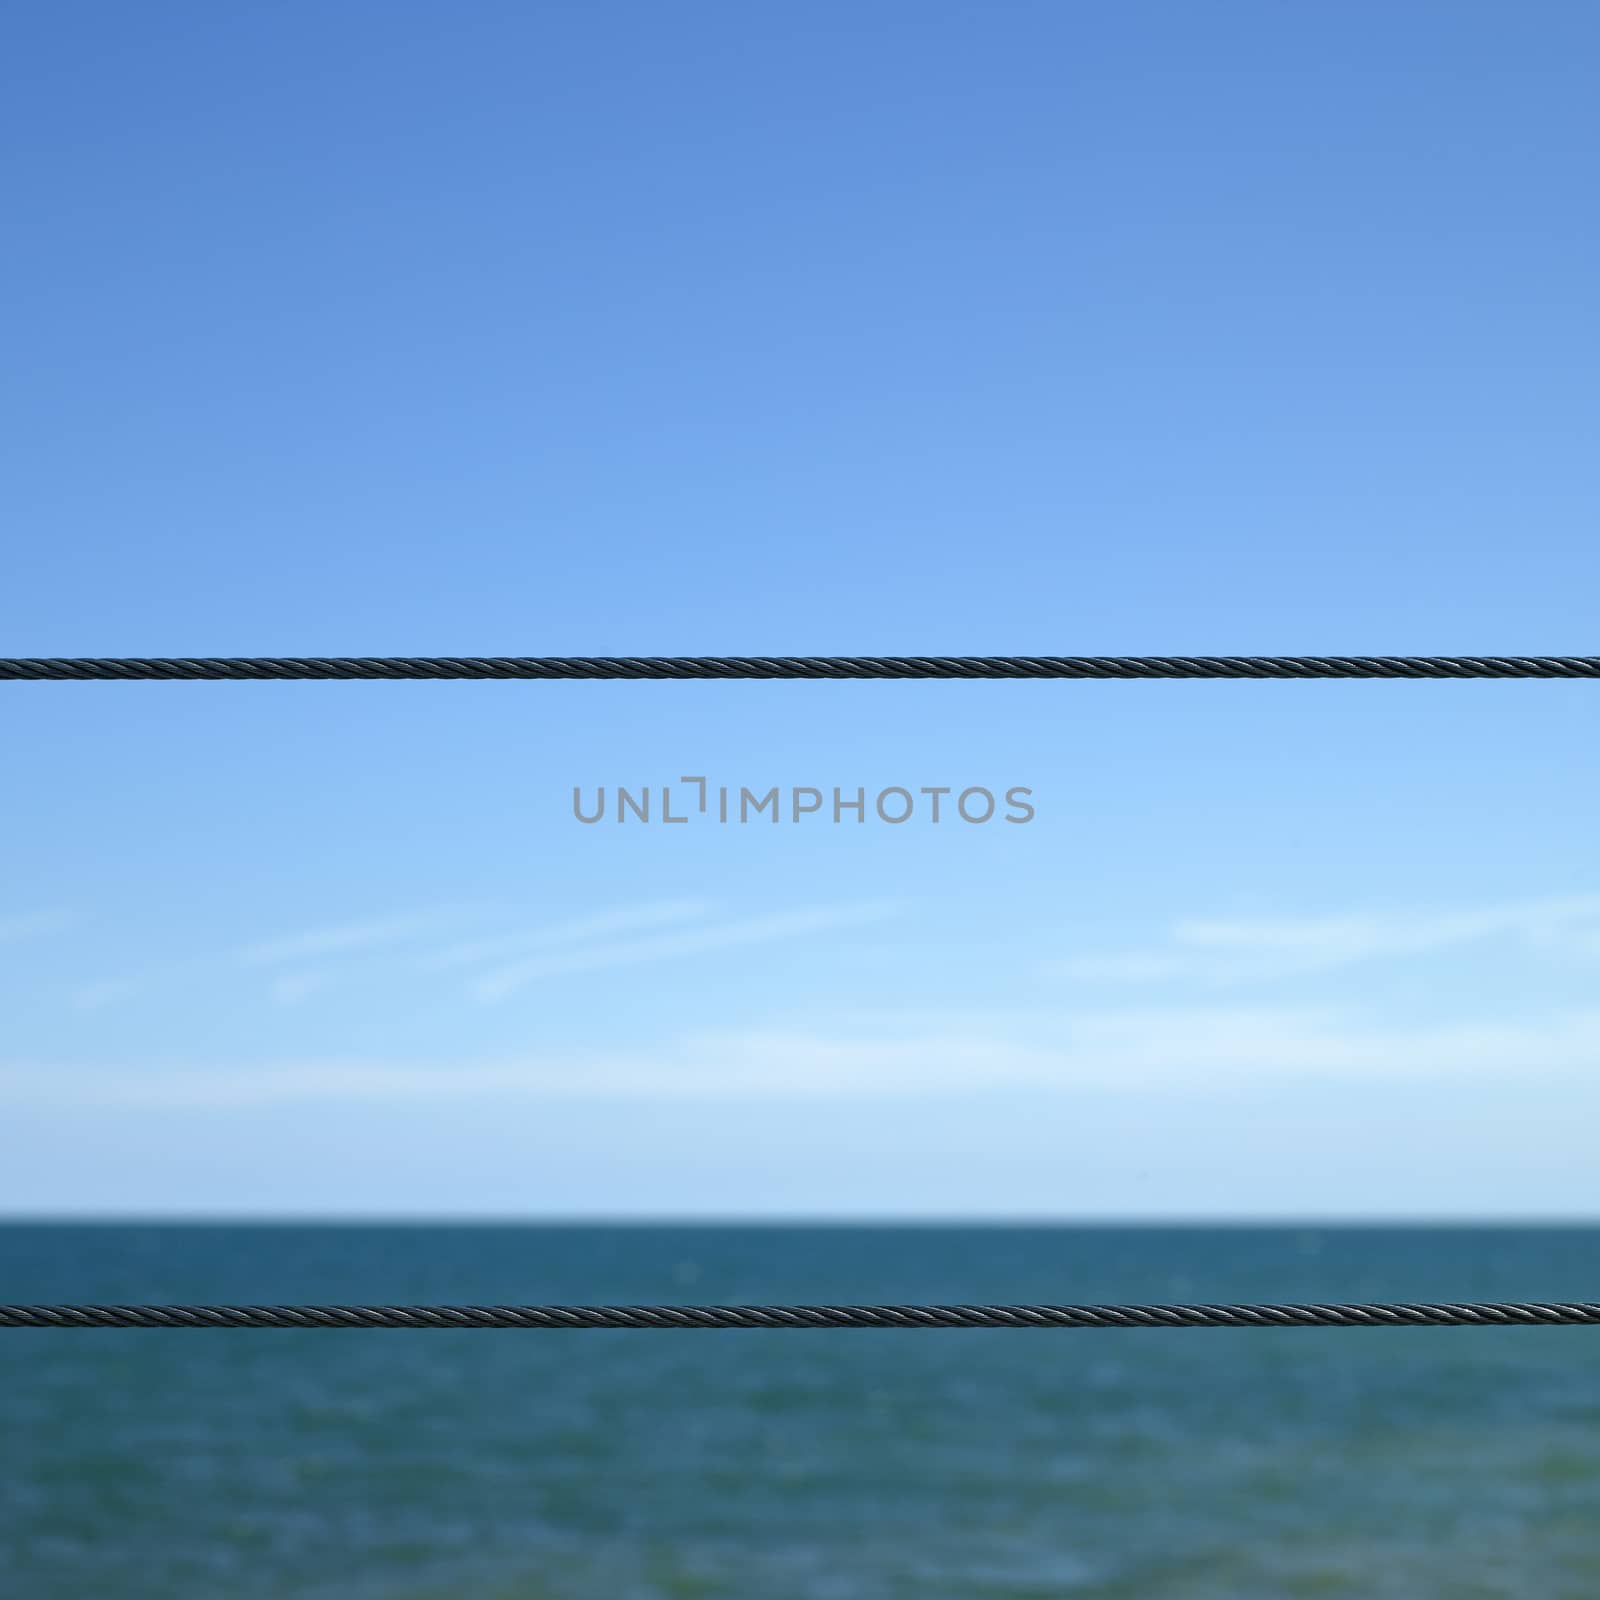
(598, 925)
(93, 996)
(293, 988)
(33, 925)
(327, 946)
(299, 965)
(504, 981)
(1197, 1050)
(1248, 950)
(340, 939)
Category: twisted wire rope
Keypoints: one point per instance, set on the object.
(1388, 1315)
(271, 668)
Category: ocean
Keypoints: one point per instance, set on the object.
(848, 1465)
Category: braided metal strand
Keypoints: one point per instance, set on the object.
(263, 668)
(1403, 1315)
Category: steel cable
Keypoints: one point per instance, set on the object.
(277, 668)
(1387, 1315)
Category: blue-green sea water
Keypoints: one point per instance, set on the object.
(841, 1465)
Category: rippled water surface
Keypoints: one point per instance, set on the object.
(511, 1466)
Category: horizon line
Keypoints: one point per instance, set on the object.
(774, 1221)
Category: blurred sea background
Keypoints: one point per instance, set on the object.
(514, 1466)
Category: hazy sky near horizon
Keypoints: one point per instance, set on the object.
(873, 329)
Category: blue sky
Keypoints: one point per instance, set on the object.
(627, 329)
